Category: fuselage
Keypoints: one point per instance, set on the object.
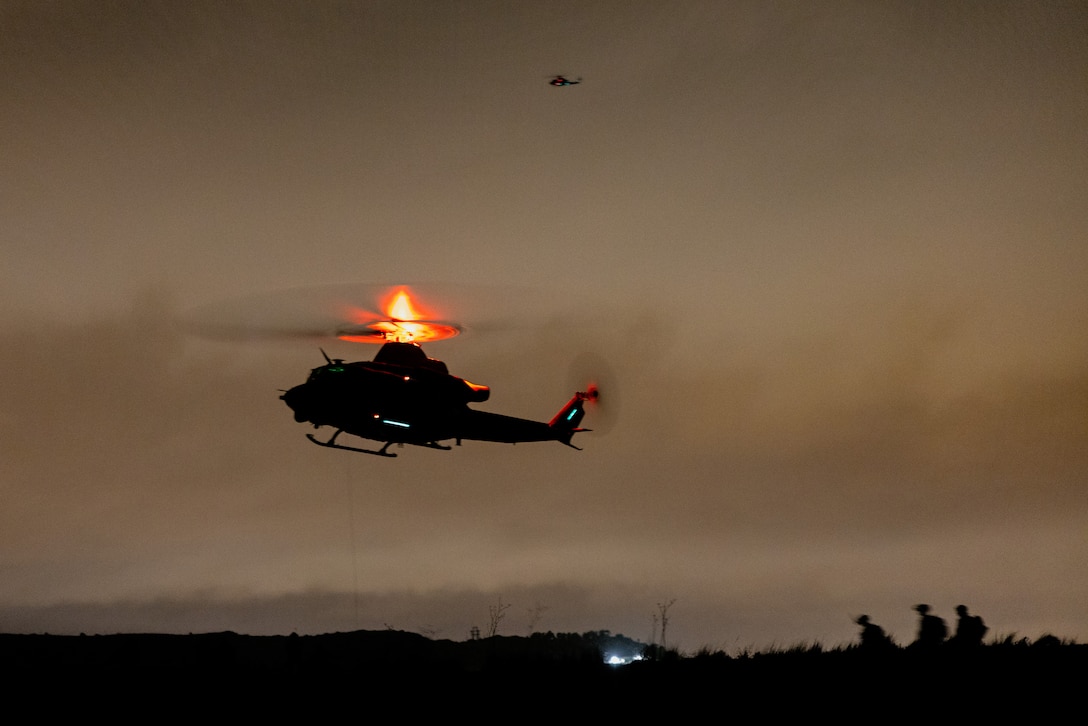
(401, 396)
(404, 397)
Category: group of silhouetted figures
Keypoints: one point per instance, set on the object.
(932, 631)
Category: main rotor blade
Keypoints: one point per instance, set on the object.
(328, 311)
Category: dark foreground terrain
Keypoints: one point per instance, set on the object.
(542, 672)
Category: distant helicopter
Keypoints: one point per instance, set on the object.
(563, 81)
(404, 397)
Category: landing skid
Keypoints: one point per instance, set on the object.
(331, 444)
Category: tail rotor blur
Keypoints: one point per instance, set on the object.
(591, 374)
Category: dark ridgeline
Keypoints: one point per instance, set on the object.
(310, 676)
(565, 664)
(382, 654)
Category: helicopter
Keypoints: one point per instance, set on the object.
(563, 81)
(403, 396)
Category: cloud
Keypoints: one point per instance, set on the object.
(141, 466)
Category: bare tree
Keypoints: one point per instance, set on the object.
(535, 614)
(663, 608)
(497, 613)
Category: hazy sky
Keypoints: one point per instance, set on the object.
(834, 254)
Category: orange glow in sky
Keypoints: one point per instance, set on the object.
(399, 307)
(405, 324)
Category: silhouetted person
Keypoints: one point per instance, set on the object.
(873, 637)
(931, 629)
(969, 628)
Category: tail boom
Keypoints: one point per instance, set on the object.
(484, 426)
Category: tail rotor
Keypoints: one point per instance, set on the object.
(592, 376)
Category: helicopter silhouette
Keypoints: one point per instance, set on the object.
(404, 397)
(563, 81)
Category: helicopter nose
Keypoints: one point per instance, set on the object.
(295, 399)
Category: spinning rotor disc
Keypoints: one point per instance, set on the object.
(405, 323)
(398, 331)
(356, 313)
